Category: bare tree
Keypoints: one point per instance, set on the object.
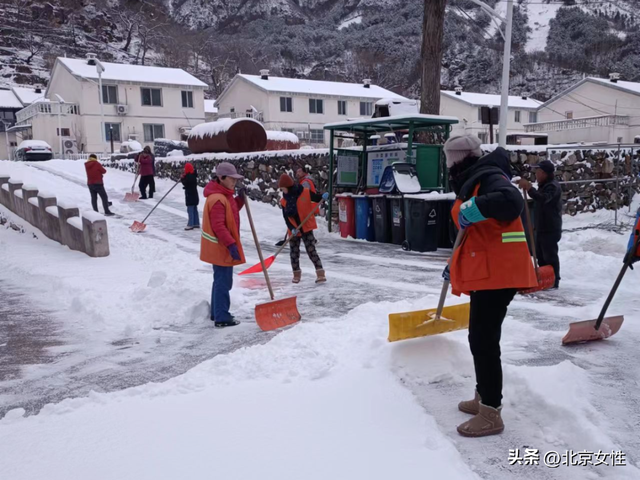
(147, 34)
(34, 46)
(432, 33)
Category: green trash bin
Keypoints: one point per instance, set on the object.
(421, 224)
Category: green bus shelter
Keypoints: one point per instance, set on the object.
(435, 128)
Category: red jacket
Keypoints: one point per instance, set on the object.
(146, 164)
(217, 215)
(95, 171)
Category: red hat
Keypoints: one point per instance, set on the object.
(285, 181)
(188, 168)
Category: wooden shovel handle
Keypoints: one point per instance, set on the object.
(286, 242)
(530, 228)
(156, 205)
(258, 248)
(445, 284)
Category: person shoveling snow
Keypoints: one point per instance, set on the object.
(95, 182)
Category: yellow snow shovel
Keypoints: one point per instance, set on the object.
(422, 323)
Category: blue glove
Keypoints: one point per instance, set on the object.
(325, 196)
(446, 274)
(469, 214)
(294, 232)
(233, 250)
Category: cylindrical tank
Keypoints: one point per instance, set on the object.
(237, 135)
(282, 140)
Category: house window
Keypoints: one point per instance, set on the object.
(316, 106)
(317, 136)
(66, 132)
(151, 97)
(187, 99)
(533, 117)
(342, 107)
(152, 131)
(112, 130)
(366, 109)
(517, 116)
(110, 94)
(286, 104)
(232, 110)
(569, 115)
(480, 114)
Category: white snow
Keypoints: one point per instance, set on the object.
(357, 20)
(92, 216)
(211, 129)
(489, 100)
(633, 87)
(75, 222)
(540, 15)
(130, 73)
(35, 144)
(27, 95)
(15, 181)
(319, 87)
(30, 188)
(432, 196)
(5, 187)
(53, 210)
(9, 100)
(65, 205)
(175, 153)
(282, 136)
(209, 106)
(18, 193)
(46, 194)
(34, 201)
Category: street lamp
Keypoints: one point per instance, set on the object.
(506, 64)
(6, 137)
(100, 69)
(60, 103)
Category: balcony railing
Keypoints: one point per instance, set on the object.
(576, 123)
(46, 108)
(255, 115)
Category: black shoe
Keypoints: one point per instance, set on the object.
(189, 227)
(109, 214)
(111, 204)
(230, 323)
(143, 198)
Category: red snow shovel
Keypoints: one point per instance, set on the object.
(546, 275)
(276, 313)
(138, 227)
(258, 267)
(133, 196)
(603, 327)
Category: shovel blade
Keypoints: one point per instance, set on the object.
(257, 268)
(277, 314)
(403, 326)
(131, 197)
(546, 280)
(137, 227)
(580, 332)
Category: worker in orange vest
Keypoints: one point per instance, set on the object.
(491, 264)
(297, 203)
(305, 180)
(220, 243)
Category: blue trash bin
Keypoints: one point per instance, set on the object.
(365, 225)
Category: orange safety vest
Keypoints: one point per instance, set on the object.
(493, 255)
(305, 207)
(312, 185)
(211, 250)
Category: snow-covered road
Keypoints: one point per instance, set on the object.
(137, 317)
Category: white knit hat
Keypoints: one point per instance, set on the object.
(456, 149)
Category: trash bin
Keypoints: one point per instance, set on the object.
(381, 218)
(446, 227)
(365, 229)
(396, 207)
(346, 215)
(421, 224)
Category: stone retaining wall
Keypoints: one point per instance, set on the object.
(58, 221)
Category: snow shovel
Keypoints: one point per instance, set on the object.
(138, 227)
(546, 276)
(258, 267)
(422, 323)
(276, 313)
(133, 196)
(603, 327)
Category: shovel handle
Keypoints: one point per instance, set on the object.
(530, 228)
(445, 284)
(156, 205)
(286, 242)
(258, 248)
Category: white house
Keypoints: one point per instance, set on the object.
(467, 107)
(210, 110)
(592, 110)
(12, 100)
(299, 106)
(139, 102)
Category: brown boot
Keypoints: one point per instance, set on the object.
(471, 407)
(321, 277)
(487, 422)
(297, 275)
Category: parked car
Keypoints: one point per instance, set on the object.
(33, 150)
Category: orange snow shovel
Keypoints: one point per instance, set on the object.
(603, 327)
(546, 275)
(423, 323)
(138, 227)
(276, 313)
(133, 196)
(258, 267)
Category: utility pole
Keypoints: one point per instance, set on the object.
(60, 103)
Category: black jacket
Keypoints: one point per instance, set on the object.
(190, 185)
(497, 197)
(548, 198)
(291, 210)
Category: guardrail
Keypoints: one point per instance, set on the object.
(576, 123)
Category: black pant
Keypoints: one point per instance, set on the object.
(147, 181)
(98, 189)
(310, 245)
(547, 250)
(488, 309)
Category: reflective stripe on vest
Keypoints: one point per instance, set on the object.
(211, 238)
(512, 237)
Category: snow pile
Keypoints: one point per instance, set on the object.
(277, 136)
(35, 144)
(211, 129)
(352, 20)
(92, 216)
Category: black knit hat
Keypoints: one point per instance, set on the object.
(546, 166)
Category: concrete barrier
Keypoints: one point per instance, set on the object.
(58, 221)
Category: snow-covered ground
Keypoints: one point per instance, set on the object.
(327, 398)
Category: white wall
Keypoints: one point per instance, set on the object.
(4, 150)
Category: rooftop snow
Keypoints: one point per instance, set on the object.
(131, 73)
(319, 87)
(214, 128)
(209, 106)
(488, 100)
(27, 95)
(630, 86)
(9, 100)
